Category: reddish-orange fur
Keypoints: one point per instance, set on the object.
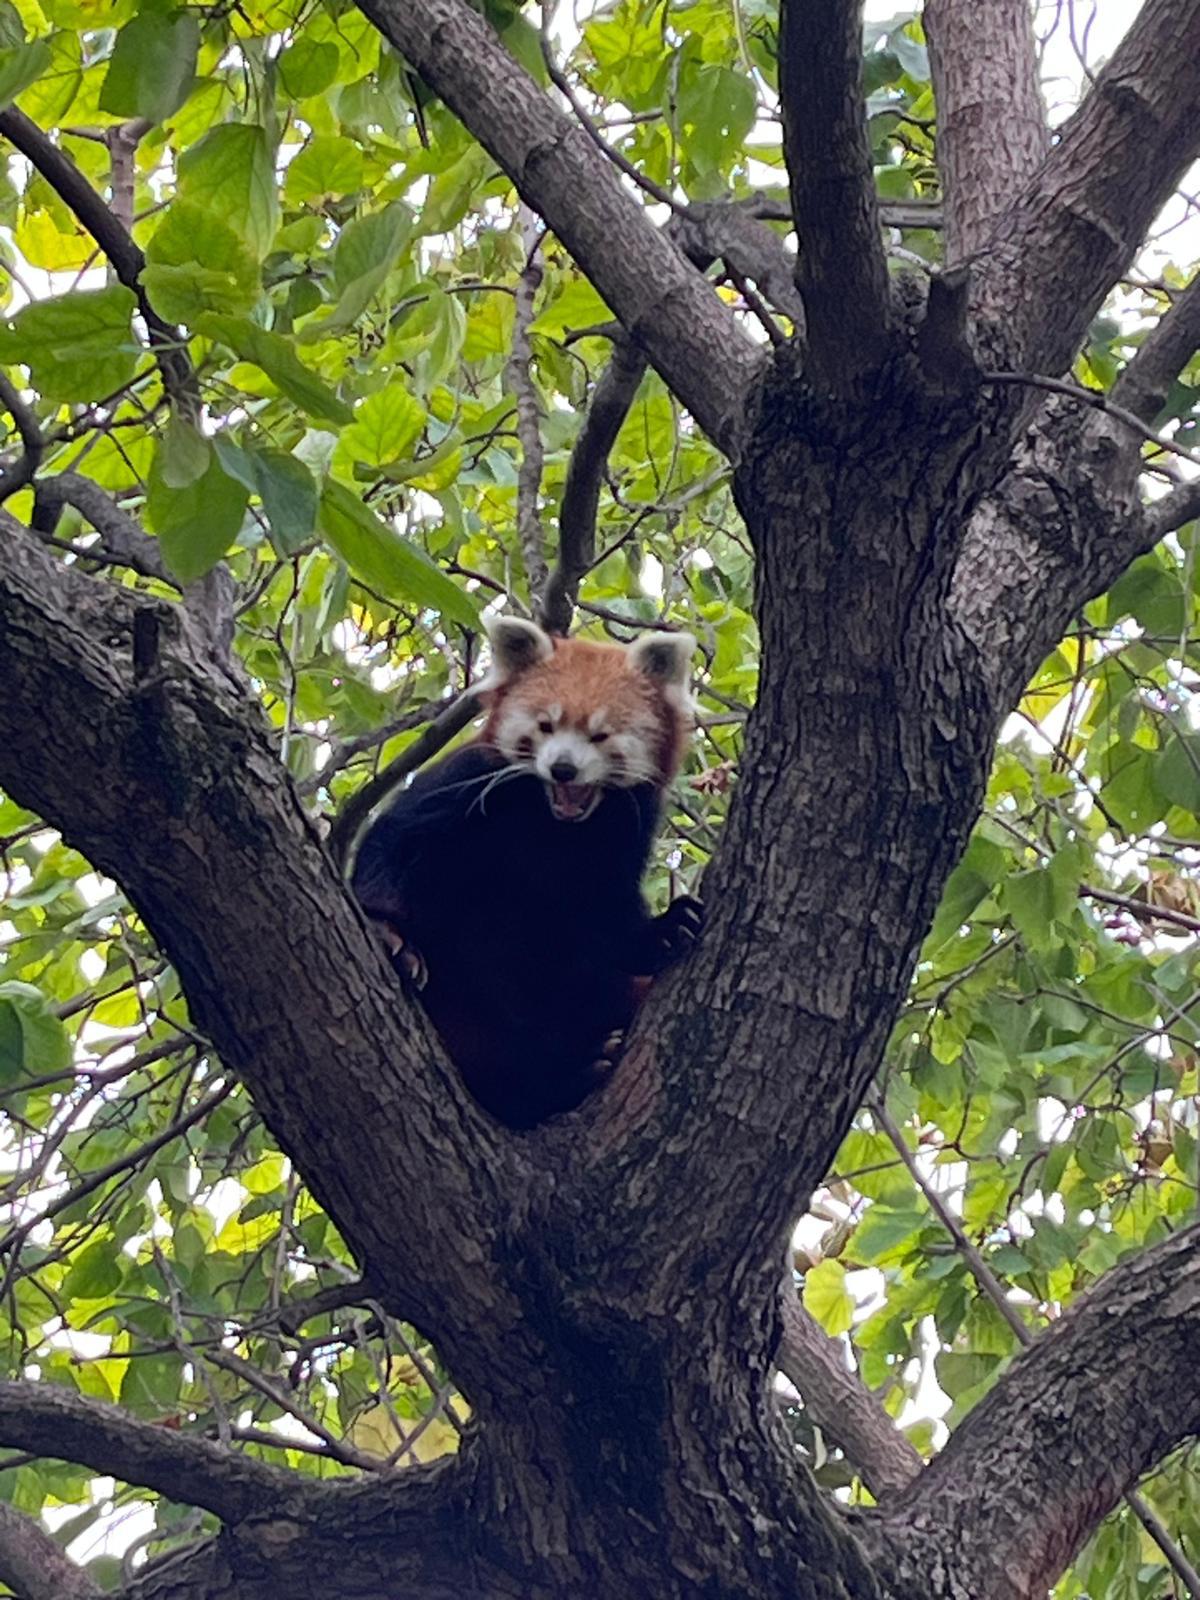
(583, 676)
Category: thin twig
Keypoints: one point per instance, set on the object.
(1099, 401)
(117, 243)
(562, 83)
(32, 444)
(991, 1286)
(363, 801)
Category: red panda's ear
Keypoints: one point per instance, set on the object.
(516, 645)
(664, 658)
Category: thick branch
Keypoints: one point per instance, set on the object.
(842, 271)
(127, 260)
(705, 233)
(1061, 247)
(1145, 383)
(52, 1421)
(991, 124)
(1061, 527)
(139, 740)
(123, 539)
(689, 335)
(33, 1565)
(1071, 1426)
(841, 1404)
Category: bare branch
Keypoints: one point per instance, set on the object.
(1060, 248)
(450, 721)
(842, 273)
(689, 335)
(841, 1404)
(33, 1565)
(991, 124)
(52, 1421)
(127, 260)
(1173, 510)
(124, 540)
(138, 738)
(705, 233)
(1099, 400)
(13, 1241)
(1060, 528)
(1096, 1401)
(530, 533)
(991, 1286)
(1172, 342)
(32, 444)
(607, 410)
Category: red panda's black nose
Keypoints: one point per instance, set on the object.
(564, 772)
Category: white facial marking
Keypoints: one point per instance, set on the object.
(569, 747)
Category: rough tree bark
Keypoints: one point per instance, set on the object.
(921, 537)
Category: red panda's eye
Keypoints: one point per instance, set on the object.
(599, 738)
(545, 726)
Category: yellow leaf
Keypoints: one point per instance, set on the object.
(827, 1299)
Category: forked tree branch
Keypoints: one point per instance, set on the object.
(1097, 1400)
(991, 124)
(33, 1565)
(48, 1420)
(841, 1405)
(1172, 342)
(1069, 237)
(842, 269)
(164, 748)
(104, 225)
(688, 334)
(1060, 528)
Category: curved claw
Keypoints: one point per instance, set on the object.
(405, 957)
(610, 1052)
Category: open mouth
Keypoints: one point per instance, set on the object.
(573, 802)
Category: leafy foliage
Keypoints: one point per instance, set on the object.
(342, 272)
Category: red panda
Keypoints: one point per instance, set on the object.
(511, 870)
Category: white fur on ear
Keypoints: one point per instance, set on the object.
(516, 646)
(666, 658)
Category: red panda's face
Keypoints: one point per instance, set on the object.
(587, 717)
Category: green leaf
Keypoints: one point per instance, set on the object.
(883, 1230)
(151, 1384)
(184, 454)
(288, 492)
(77, 346)
(33, 1040)
(280, 363)
(94, 1273)
(1177, 772)
(196, 524)
(20, 66)
(326, 168)
(390, 564)
(366, 251)
(386, 426)
(231, 173)
(307, 67)
(827, 1298)
(195, 263)
(152, 66)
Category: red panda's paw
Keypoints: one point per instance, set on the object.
(405, 957)
(679, 928)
